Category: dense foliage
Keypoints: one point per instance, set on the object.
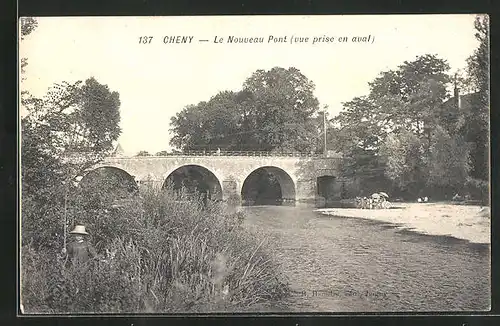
(409, 135)
(275, 110)
(159, 253)
(478, 119)
(28, 25)
(63, 134)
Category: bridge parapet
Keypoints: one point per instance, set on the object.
(245, 153)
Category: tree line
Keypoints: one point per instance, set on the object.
(407, 133)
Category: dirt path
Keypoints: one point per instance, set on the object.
(471, 223)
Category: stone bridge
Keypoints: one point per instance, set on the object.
(298, 176)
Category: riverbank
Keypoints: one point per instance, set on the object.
(470, 223)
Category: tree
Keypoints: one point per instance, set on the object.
(478, 64)
(449, 163)
(358, 136)
(64, 134)
(81, 122)
(407, 98)
(398, 116)
(411, 96)
(283, 107)
(28, 25)
(477, 126)
(274, 111)
(404, 160)
(208, 125)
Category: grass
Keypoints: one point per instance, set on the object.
(175, 256)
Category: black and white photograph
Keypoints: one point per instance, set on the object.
(254, 164)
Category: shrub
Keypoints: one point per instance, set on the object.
(36, 273)
(110, 285)
(478, 189)
(42, 224)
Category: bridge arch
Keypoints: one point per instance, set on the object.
(110, 179)
(325, 186)
(268, 185)
(329, 191)
(194, 177)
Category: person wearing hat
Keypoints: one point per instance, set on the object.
(80, 250)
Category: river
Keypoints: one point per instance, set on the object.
(336, 264)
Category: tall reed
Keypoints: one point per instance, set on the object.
(171, 253)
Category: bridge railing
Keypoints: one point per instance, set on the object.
(240, 153)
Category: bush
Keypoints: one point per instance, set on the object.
(42, 224)
(169, 255)
(102, 285)
(478, 189)
(36, 275)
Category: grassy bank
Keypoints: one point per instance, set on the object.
(466, 222)
(168, 255)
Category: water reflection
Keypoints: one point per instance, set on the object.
(268, 202)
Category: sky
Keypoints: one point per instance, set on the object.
(156, 80)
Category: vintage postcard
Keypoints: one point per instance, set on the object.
(252, 164)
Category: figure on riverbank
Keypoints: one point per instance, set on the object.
(375, 201)
(80, 250)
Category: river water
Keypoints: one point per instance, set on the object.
(336, 264)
